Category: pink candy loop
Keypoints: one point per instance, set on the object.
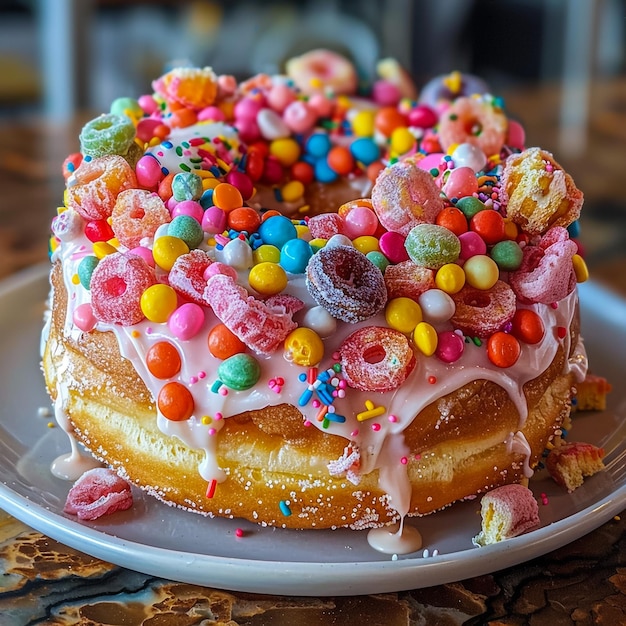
(117, 284)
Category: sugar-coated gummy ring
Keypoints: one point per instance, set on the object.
(107, 134)
(137, 214)
(117, 284)
(482, 312)
(404, 196)
(94, 187)
(375, 358)
(346, 283)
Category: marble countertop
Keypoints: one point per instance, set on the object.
(584, 582)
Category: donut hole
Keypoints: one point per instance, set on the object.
(477, 300)
(472, 126)
(373, 354)
(137, 213)
(102, 125)
(345, 273)
(115, 286)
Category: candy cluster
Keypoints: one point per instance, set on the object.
(463, 246)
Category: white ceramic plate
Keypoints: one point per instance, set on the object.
(159, 540)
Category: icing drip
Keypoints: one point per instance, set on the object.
(518, 444)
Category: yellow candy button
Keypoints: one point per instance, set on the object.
(425, 337)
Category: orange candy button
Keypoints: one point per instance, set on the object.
(527, 326)
(244, 218)
(163, 360)
(223, 343)
(503, 349)
(227, 197)
(175, 402)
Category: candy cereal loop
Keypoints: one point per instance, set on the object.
(408, 280)
(547, 273)
(476, 121)
(93, 188)
(538, 193)
(107, 134)
(192, 87)
(346, 283)
(137, 214)
(117, 283)
(480, 313)
(404, 196)
(375, 358)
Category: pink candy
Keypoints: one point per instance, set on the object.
(408, 280)
(187, 275)
(360, 221)
(546, 274)
(299, 117)
(116, 287)
(325, 225)
(214, 220)
(190, 208)
(98, 492)
(404, 196)
(148, 172)
(258, 324)
(471, 245)
(392, 246)
(186, 321)
(461, 182)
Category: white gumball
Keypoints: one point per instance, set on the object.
(317, 318)
(236, 253)
(339, 240)
(469, 155)
(271, 125)
(437, 306)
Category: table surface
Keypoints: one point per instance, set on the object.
(583, 582)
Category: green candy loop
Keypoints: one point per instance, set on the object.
(107, 134)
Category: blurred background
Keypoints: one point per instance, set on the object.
(559, 64)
